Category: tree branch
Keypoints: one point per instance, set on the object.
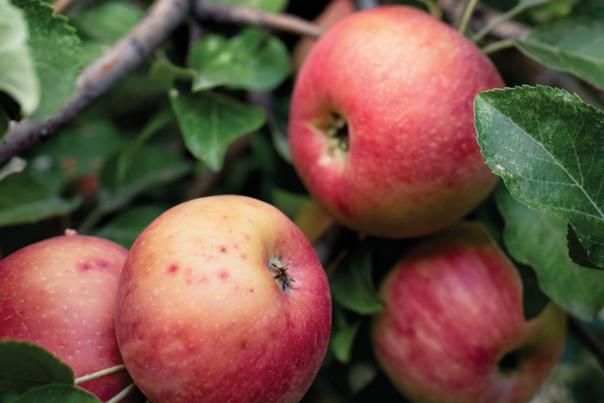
(245, 15)
(100, 76)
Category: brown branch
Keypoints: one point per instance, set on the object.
(245, 15)
(101, 75)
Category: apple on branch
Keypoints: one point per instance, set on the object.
(60, 293)
(381, 122)
(223, 299)
(453, 328)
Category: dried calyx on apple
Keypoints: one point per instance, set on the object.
(335, 127)
(279, 270)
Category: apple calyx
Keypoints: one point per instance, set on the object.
(511, 362)
(279, 270)
(335, 127)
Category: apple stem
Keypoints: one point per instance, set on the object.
(99, 374)
(122, 394)
(501, 19)
(466, 15)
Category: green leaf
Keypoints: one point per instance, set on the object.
(18, 77)
(24, 200)
(127, 226)
(547, 145)
(343, 337)
(351, 284)
(572, 44)
(24, 365)
(56, 394)
(252, 60)
(274, 6)
(4, 122)
(57, 54)
(539, 241)
(149, 168)
(109, 21)
(211, 122)
(289, 202)
(553, 9)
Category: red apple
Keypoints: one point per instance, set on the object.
(381, 122)
(222, 299)
(453, 328)
(333, 12)
(60, 293)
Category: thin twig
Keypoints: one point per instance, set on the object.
(503, 18)
(462, 25)
(508, 29)
(100, 76)
(245, 15)
(100, 374)
(120, 396)
(499, 45)
(589, 340)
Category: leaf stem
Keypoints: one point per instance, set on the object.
(589, 340)
(122, 394)
(99, 374)
(466, 15)
(507, 16)
(433, 8)
(90, 221)
(499, 45)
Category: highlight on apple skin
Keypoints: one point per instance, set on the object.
(223, 300)
(60, 293)
(381, 122)
(453, 328)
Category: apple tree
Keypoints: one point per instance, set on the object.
(113, 112)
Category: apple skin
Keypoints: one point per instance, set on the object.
(453, 310)
(60, 293)
(404, 83)
(333, 12)
(200, 317)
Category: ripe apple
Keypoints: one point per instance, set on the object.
(222, 299)
(333, 12)
(453, 328)
(381, 122)
(60, 293)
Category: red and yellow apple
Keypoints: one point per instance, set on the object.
(60, 293)
(223, 299)
(453, 328)
(381, 122)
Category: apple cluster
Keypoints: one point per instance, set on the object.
(222, 299)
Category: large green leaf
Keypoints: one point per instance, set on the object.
(342, 337)
(56, 394)
(539, 241)
(23, 199)
(24, 365)
(150, 167)
(547, 145)
(572, 44)
(252, 60)
(351, 283)
(109, 21)
(127, 226)
(18, 77)
(211, 122)
(57, 54)
(265, 5)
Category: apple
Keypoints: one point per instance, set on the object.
(60, 294)
(333, 12)
(453, 328)
(381, 123)
(222, 299)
